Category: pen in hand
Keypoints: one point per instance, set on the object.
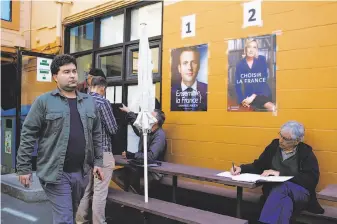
(233, 167)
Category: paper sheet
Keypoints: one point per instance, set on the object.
(276, 178)
(225, 174)
(249, 177)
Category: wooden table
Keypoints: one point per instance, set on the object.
(196, 173)
(329, 193)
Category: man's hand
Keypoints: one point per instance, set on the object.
(124, 155)
(98, 172)
(125, 109)
(236, 171)
(267, 173)
(26, 180)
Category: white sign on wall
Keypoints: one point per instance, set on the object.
(252, 13)
(43, 69)
(8, 142)
(188, 26)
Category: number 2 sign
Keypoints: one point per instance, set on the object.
(252, 13)
(188, 26)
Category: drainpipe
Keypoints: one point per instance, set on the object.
(59, 23)
(59, 5)
(30, 24)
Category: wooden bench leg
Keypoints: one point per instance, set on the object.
(174, 188)
(238, 202)
(145, 217)
(127, 178)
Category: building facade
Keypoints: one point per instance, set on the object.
(104, 34)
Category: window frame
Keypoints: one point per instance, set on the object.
(129, 61)
(113, 51)
(140, 6)
(126, 11)
(93, 40)
(14, 23)
(98, 51)
(82, 55)
(110, 14)
(10, 12)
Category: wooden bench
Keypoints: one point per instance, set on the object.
(329, 216)
(329, 193)
(196, 173)
(169, 210)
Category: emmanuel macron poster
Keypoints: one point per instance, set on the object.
(189, 78)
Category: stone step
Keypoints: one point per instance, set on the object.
(10, 185)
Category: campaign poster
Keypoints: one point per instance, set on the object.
(189, 78)
(252, 74)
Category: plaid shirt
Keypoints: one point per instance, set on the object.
(109, 125)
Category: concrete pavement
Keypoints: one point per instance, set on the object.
(16, 211)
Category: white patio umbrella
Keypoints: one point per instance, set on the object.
(145, 119)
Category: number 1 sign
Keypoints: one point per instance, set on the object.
(252, 14)
(188, 26)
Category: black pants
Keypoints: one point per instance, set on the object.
(130, 177)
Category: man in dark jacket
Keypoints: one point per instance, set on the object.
(156, 145)
(287, 156)
(67, 126)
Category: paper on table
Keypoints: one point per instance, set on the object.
(277, 178)
(225, 174)
(246, 177)
(249, 177)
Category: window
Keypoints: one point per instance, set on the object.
(111, 64)
(10, 15)
(154, 53)
(81, 37)
(6, 10)
(83, 66)
(151, 15)
(110, 41)
(133, 54)
(112, 30)
(114, 94)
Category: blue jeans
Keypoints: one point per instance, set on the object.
(65, 196)
(282, 201)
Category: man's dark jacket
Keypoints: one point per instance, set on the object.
(307, 177)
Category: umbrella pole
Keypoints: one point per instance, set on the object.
(145, 168)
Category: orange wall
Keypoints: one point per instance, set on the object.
(306, 83)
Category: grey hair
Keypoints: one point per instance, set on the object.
(295, 128)
(160, 116)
